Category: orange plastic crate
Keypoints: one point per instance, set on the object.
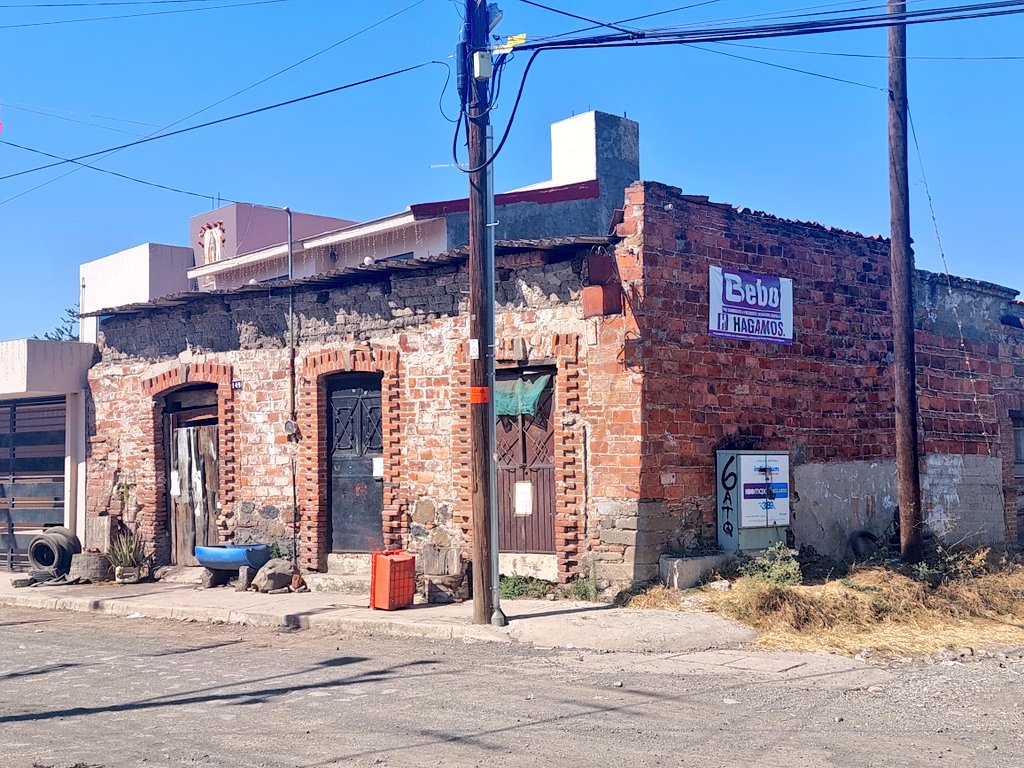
(392, 579)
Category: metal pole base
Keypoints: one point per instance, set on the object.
(498, 618)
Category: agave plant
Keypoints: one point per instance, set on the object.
(126, 549)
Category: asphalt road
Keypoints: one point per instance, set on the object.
(82, 691)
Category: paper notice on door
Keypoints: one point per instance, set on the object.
(378, 467)
(175, 483)
(524, 498)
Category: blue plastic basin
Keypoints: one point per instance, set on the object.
(231, 557)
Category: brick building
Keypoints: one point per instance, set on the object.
(619, 393)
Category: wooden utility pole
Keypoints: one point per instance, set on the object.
(481, 317)
(902, 265)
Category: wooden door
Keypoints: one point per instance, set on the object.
(356, 445)
(526, 475)
(192, 486)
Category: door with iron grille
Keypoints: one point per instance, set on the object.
(355, 451)
(32, 445)
(525, 441)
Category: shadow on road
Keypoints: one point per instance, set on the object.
(242, 697)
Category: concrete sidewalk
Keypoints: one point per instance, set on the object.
(544, 623)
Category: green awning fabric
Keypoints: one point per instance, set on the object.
(519, 396)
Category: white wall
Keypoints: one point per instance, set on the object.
(36, 367)
(39, 368)
(138, 274)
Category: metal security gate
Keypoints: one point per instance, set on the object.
(32, 448)
(526, 473)
(355, 450)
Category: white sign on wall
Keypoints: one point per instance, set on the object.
(523, 498)
(751, 307)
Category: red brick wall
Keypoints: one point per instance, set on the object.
(126, 475)
(314, 460)
(971, 379)
(823, 398)
(405, 331)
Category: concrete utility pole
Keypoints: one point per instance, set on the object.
(904, 366)
(481, 314)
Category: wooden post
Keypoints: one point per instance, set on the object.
(481, 319)
(904, 366)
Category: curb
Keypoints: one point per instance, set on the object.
(355, 625)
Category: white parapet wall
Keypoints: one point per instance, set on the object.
(143, 273)
(42, 368)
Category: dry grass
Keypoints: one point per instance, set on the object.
(874, 608)
(657, 598)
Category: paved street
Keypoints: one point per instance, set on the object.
(95, 691)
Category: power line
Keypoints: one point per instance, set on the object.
(138, 15)
(632, 18)
(792, 13)
(55, 110)
(848, 54)
(248, 113)
(954, 305)
(789, 69)
(756, 32)
(232, 95)
(96, 5)
(115, 173)
(609, 25)
(45, 113)
(723, 34)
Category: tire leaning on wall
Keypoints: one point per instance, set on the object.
(51, 550)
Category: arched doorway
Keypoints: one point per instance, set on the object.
(190, 434)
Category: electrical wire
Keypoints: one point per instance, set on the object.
(54, 115)
(978, 10)
(508, 127)
(848, 54)
(54, 22)
(115, 173)
(954, 305)
(239, 92)
(229, 118)
(632, 18)
(788, 69)
(101, 4)
(609, 25)
(444, 89)
(844, 24)
(56, 110)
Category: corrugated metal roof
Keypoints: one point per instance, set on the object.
(355, 273)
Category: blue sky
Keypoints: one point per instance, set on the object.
(798, 146)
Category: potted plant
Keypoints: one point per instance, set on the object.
(127, 556)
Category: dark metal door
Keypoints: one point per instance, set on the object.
(32, 445)
(526, 478)
(355, 439)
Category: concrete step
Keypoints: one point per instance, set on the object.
(345, 584)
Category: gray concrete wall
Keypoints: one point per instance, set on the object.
(838, 498)
(963, 498)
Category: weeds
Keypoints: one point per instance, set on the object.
(515, 586)
(582, 588)
(777, 566)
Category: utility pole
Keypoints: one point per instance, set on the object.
(902, 266)
(481, 313)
